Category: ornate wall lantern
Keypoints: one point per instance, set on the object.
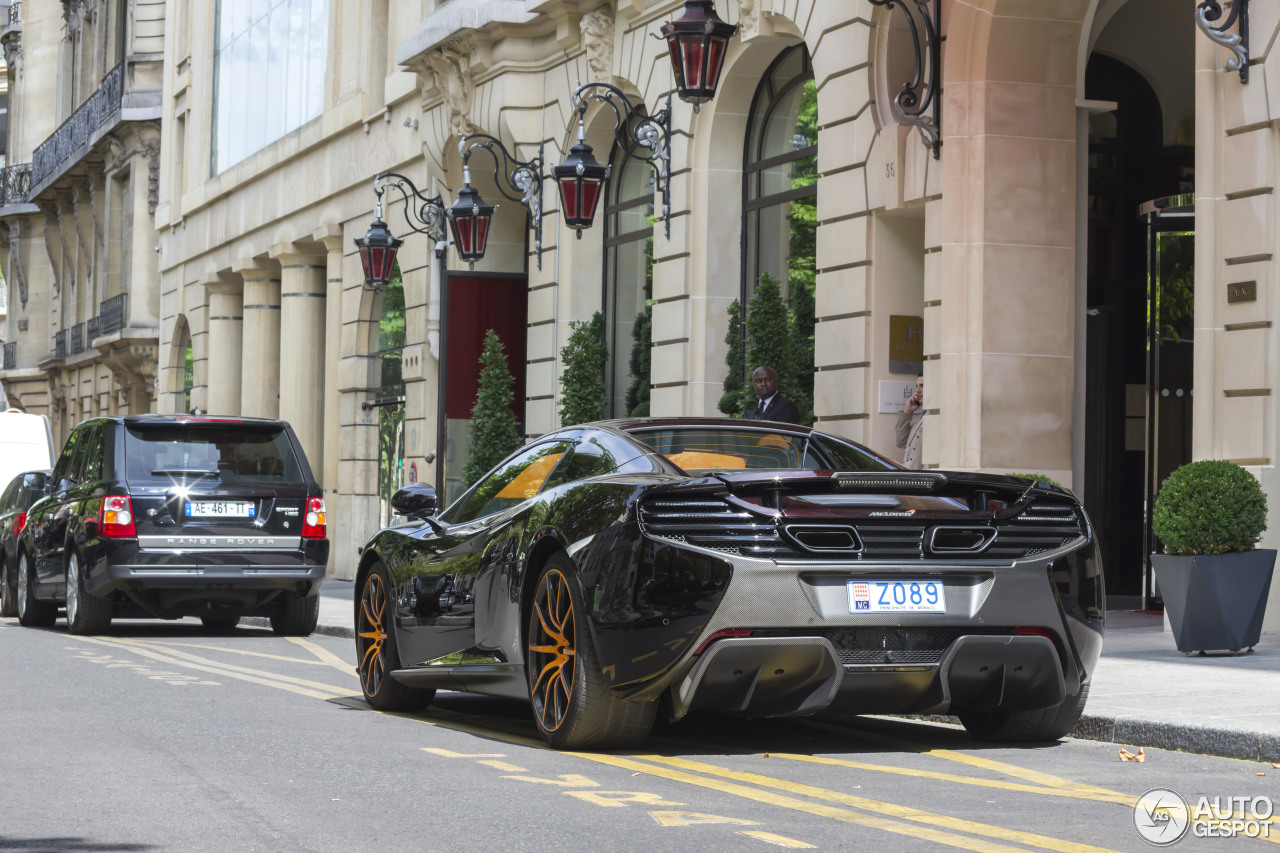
(918, 103)
(1238, 43)
(698, 41)
(582, 179)
(378, 247)
(470, 217)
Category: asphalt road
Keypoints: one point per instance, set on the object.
(168, 737)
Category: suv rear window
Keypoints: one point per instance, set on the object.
(240, 453)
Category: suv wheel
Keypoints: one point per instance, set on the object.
(86, 614)
(32, 613)
(296, 616)
(8, 594)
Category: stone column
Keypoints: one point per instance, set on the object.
(331, 237)
(226, 337)
(260, 372)
(302, 346)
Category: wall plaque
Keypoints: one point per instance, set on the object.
(906, 344)
(1242, 291)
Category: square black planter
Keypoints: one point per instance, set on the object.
(1215, 601)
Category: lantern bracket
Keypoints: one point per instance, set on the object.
(518, 180)
(425, 215)
(634, 130)
(919, 102)
(1238, 43)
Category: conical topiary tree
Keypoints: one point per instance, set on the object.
(736, 386)
(584, 358)
(494, 430)
(803, 320)
(769, 337)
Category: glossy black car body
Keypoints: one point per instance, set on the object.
(172, 516)
(728, 573)
(24, 490)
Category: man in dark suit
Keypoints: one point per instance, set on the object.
(772, 405)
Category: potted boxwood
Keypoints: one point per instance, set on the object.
(1208, 515)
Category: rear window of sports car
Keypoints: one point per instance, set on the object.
(183, 452)
(721, 448)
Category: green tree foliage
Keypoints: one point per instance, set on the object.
(584, 358)
(641, 363)
(802, 257)
(769, 337)
(494, 431)
(1209, 507)
(391, 340)
(803, 316)
(736, 387)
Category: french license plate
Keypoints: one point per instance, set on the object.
(220, 509)
(904, 596)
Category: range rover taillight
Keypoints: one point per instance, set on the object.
(19, 523)
(313, 520)
(115, 518)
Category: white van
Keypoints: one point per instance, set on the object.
(26, 444)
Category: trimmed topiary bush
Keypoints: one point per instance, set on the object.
(495, 432)
(1041, 478)
(1209, 507)
(584, 358)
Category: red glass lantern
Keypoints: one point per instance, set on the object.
(581, 179)
(698, 41)
(378, 248)
(469, 219)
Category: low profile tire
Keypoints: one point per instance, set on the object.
(86, 614)
(376, 652)
(572, 705)
(1045, 724)
(295, 616)
(8, 591)
(220, 623)
(32, 613)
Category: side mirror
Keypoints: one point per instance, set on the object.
(416, 500)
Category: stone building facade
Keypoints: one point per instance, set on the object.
(77, 235)
(1017, 245)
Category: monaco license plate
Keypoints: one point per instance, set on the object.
(902, 596)
(220, 509)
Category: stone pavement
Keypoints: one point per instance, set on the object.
(1144, 693)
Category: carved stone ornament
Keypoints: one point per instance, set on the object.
(597, 40)
(13, 51)
(152, 149)
(748, 18)
(450, 68)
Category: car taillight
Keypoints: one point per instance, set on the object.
(313, 521)
(732, 632)
(19, 523)
(115, 518)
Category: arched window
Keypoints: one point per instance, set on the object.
(780, 204)
(389, 350)
(780, 176)
(628, 277)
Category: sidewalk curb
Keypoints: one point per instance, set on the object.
(1204, 740)
(327, 630)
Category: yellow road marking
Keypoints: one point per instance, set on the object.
(878, 806)
(1122, 799)
(502, 765)
(619, 799)
(245, 652)
(697, 819)
(1024, 773)
(780, 840)
(448, 753)
(232, 668)
(569, 780)
(325, 656)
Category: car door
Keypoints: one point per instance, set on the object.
(440, 574)
(49, 517)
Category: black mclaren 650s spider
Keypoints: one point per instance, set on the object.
(612, 572)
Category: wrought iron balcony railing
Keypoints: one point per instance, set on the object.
(112, 314)
(95, 112)
(77, 339)
(91, 330)
(15, 12)
(15, 184)
(10, 355)
(60, 344)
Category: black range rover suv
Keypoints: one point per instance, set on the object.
(168, 516)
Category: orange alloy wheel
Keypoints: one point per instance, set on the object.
(552, 649)
(371, 636)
